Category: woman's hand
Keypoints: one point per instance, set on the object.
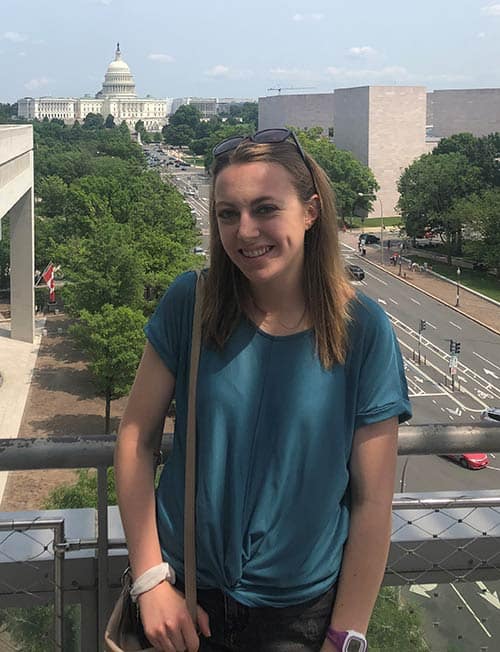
(167, 622)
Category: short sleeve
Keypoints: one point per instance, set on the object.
(168, 329)
(381, 381)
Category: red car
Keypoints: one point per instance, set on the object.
(472, 461)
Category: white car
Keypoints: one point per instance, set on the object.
(491, 414)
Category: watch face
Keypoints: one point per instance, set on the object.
(355, 645)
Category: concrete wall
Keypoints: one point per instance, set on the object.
(16, 199)
(302, 111)
(352, 121)
(455, 111)
(397, 116)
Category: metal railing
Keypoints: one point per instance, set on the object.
(435, 537)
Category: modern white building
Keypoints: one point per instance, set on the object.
(209, 106)
(118, 97)
(16, 202)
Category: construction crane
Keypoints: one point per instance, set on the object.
(291, 88)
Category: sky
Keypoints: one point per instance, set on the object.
(236, 48)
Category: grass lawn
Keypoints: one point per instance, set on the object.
(480, 281)
(372, 222)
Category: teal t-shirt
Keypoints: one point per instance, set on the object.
(274, 437)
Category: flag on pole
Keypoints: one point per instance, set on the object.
(48, 277)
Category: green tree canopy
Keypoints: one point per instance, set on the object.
(112, 339)
(429, 187)
(103, 268)
(482, 152)
(93, 120)
(109, 123)
(178, 135)
(480, 214)
(348, 176)
(186, 115)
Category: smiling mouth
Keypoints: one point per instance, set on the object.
(255, 253)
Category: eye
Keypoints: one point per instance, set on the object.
(266, 209)
(227, 215)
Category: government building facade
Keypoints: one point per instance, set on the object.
(117, 97)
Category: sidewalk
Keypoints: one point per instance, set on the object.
(17, 362)
(480, 310)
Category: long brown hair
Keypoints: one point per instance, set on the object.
(327, 291)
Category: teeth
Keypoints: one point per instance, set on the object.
(253, 253)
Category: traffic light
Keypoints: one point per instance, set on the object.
(452, 346)
(423, 325)
(457, 347)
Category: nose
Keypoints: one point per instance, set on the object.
(248, 228)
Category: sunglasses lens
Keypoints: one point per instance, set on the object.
(271, 136)
(227, 145)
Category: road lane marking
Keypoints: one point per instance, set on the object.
(384, 303)
(423, 589)
(456, 325)
(490, 373)
(431, 325)
(444, 356)
(415, 301)
(486, 360)
(375, 277)
(471, 611)
(490, 597)
(395, 302)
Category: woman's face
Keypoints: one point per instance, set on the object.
(262, 221)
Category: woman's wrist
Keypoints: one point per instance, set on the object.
(151, 578)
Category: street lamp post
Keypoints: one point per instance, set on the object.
(381, 231)
(458, 287)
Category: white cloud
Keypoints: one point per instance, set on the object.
(35, 84)
(311, 18)
(14, 37)
(390, 73)
(363, 51)
(481, 35)
(293, 74)
(163, 58)
(491, 10)
(221, 71)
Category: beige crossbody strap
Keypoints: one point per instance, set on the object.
(189, 489)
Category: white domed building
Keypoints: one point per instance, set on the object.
(117, 97)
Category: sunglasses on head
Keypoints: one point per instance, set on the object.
(265, 136)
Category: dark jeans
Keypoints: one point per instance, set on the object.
(237, 628)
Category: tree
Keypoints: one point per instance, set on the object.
(348, 176)
(53, 193)
(428, 189)
(481, 213)
(178, 135)
(109, 123)
(113, 340)
(186, 115)
(8, 112)
(104, 268)
(483, 152)
(93, 121)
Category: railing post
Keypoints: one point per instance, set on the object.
(58, 586)
(102, 552)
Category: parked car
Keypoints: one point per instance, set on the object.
(355, 272)
(369, 238)
(472, 461)
(491, 414)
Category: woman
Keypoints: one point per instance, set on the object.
(300, 390)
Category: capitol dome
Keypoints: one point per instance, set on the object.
(118, 80)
